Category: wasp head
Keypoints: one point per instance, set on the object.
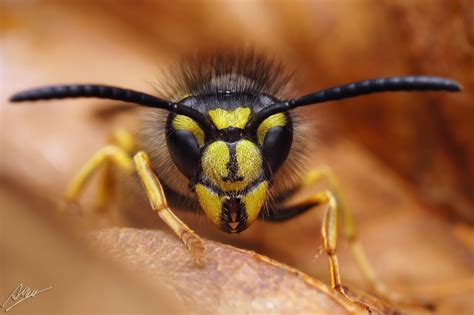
(230, 163)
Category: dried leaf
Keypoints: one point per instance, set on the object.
(231, 280)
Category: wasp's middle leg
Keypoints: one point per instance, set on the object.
(108, 154)
(329, 236)
(349, 231)
(113, 157)
(106, 189)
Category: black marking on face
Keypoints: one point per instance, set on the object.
(232, 166)
(231, 134)
(233, 216)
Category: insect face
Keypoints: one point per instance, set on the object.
(232, 140)
(230, 165)
(228, 135)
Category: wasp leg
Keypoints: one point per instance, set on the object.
(106, 188)
(329, 236)
(115, 154)
(349, 231)
(108, 154)
(157, 198)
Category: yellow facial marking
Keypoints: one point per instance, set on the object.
(272, 121)
(249, 161)
(254, 201)
(236, 118)
(247, 164)
(214, 162)
(181, 122)
(210, 202)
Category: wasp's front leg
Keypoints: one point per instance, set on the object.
(157, 198)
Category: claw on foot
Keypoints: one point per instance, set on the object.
(360, 307)
(195, 245)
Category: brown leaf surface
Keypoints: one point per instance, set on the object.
(43, 145)
(153, 273)
(231, 280)
(41, 253)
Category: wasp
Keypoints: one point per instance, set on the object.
(227, 140)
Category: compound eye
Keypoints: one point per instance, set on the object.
(184, 139)
(276, 146)
(275, 134)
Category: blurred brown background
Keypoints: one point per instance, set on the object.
(406, 161)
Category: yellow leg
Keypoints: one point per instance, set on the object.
(158, 203)
(117, 155)
(110, 153)
(123, 139)
(114, 155)
(329, 235)
(106, 188)
(350, 232)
